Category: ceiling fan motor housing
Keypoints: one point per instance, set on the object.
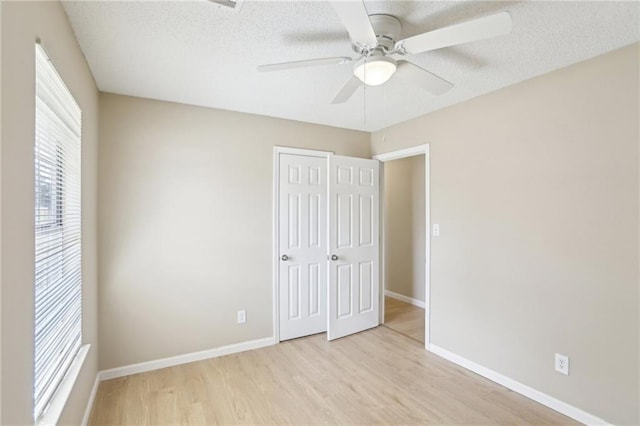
(387, 29)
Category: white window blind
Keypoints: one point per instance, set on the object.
(58, 282)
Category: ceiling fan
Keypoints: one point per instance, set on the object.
(375, 38)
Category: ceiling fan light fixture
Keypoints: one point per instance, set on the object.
(374, 71)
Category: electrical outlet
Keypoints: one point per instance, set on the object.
(562, 364)
(436, 230)
(242, 316)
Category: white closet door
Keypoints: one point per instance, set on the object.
(353, 292)
(303, 245)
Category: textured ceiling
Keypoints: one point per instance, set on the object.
(195, 52)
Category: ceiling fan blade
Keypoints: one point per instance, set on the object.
(478, 29)
(413, 74)
(355, 18)
(347, 91)
(302, 64)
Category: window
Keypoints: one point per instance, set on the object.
(58, 274)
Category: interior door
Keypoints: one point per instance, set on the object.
(353, 289)
(302, 238)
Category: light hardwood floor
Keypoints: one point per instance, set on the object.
(374, 377)
(404, 318)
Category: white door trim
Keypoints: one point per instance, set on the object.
(395, 155)
(403, 153)
(277, 151)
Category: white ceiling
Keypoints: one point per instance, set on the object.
(195, 52)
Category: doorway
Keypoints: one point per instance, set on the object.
(406, 242)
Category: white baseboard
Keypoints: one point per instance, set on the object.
(404, 298)
(92, 397)
(184, 359)
(542, 398)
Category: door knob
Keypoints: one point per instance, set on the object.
(334, 257)
(284, 257)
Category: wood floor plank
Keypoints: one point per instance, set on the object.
(404, 318)
(375, 377)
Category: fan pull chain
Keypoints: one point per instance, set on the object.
(364, 99)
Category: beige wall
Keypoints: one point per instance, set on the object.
(404, 226)
(536, 190)
(22, 23)
(185, 221)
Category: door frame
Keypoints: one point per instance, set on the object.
(277, 151)
(396, 155)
